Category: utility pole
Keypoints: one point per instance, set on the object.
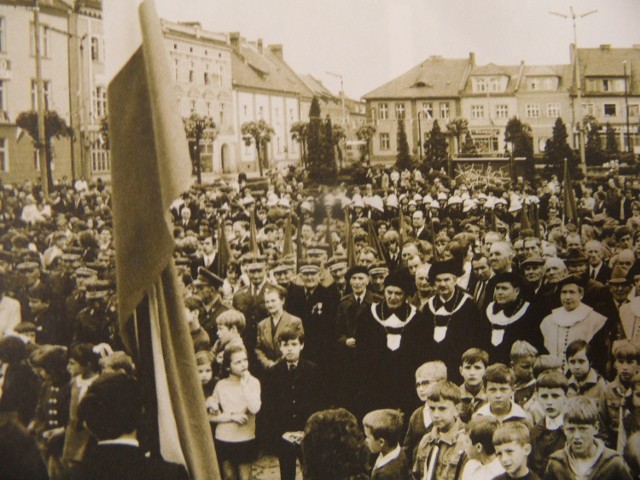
(626, 105)
(577, 83)
(42, 150)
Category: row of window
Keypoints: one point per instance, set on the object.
(610, 110)
(203, 75)
(427, 108)
(260, 114)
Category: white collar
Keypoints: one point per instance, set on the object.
(501, 319)
(554, 423)
(443, 310)
(131, 442)
(563, 318)
(382, 460)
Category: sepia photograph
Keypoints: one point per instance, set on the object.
(319, 240)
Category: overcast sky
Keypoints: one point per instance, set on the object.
(370, 42)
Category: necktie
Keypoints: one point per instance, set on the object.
(292, 367)
(593, 273)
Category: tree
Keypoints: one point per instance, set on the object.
(328, 166)
(518, 134)
(611, 143)
(557, 147)
(403, 158)
(593, 145)
(457, 127)
(197, 128)
(299, 134)
(260, 133)
(436, 147)
(365, 133)
(339, 136)
(54, 127)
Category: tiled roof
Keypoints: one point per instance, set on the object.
(435, 77)
(490, 69)
(541, 71)
(317, 87)
(563, 72)
(264, 71)
(607, 62)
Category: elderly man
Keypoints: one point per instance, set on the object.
(390, 344)
(574, 320)
(453, 318)
(598, 269)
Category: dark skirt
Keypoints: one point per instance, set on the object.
(237, 452)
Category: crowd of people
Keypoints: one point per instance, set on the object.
(414, 326)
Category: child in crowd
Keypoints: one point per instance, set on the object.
(585, 456)
(542, 364)
(204, 361)
(233, 408)
(523, 356)
(439, 454)
(472, 394)
(584, 380)
(383, 430)
(230, 324)
(547, 435)
(482, 463)
(420, 421)
(629, 414)
(625, 354)
(498, 383)
(118, 361)
(513, 446)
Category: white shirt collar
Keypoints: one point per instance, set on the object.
(382, 460)
(554, 423)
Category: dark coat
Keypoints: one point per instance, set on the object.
(318, 314)
(20, 391)
(124, 462)
(254, 310)
(609, 466)
(394, 470)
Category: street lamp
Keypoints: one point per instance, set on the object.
(344, 109)
(576, 76)
(626, 104)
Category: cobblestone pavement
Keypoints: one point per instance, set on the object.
(266, 468)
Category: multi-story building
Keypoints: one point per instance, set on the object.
(610, 81)
(18, 157)
(543, 96)
(429, 91)
(487, 102)
(202, 70)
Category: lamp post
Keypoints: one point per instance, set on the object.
(626, 105)
(40, 106)
(576, 76)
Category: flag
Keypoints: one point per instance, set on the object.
(568, 197)
(536, 221)
(299, 244)
(525, 221)
(329, 238)
(151, 168)
(253, 240)
(401, 225)
(351, 251)
(374, 241)
(224, 252)
(433, 238)
(287, 246)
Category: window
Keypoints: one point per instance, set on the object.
(502, 111)
(4, 155)
(100, 161)
(400, 111)
(634, 111)
(96, 49)
(479, 85)
(99, 102)
(385, 142)
(47, 94)
(384, 112)
(477, 111)
(428, 109)
(553, 110)
(609, 109)
(3, 39)
(45, 40)
(533, 110)
(444, 110)
(495, 85)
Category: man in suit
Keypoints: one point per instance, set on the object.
(207, 286)
(481, 273)
(111, 409)
(267, 346)
(292, 393)
(250, 299)
(598, 269)
(206, 257)
(419, 221)
(316, 305)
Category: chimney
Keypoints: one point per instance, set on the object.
(260, 45)
(234, 40)
(472, 59)
(605, 46)
(277, 50)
